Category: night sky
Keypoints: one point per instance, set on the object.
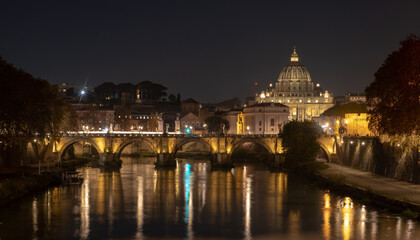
(207, 50)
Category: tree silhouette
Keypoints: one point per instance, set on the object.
(151, 91)
(31, 111)
(215, 124)
(299, 139)
(394, 95)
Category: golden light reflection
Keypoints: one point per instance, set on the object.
(398, 228)
(35, 218)
(100, 196)
(327, 203)
(202, 186)
(374, 223)
(139, 233)
(247, 208)
(155, 180)
(294, 224)
(409, 229)
(326, 226)
(49, 197)
(177, 182)
(84, 211)
(347, 214)
(275, 202)
(362, 222)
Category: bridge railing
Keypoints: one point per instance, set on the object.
(160, 134)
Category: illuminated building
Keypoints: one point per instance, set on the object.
(295, 89)
(190, 117)
(355, 97)
(357, 124)
(264, 118)
(260, 118)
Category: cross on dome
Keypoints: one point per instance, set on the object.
(294, 57)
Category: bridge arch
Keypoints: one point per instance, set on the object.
(183, 142)
(131, 141)
(76, 140)
(236, 144)
(325, 150)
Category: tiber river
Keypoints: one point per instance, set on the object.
(192, 202)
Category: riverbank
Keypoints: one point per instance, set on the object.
(15, 188)
(17, 182)
(386, 192)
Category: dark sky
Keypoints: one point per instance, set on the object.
(207, 50)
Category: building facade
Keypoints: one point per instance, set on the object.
(357, 124)
(234, 117)
(262, 118)
(296, 90)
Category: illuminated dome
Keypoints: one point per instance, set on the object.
(294, 71)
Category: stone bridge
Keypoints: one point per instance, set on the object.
(165, 146)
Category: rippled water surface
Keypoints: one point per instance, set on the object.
(192, 202)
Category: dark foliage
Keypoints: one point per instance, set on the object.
(215, 124)
(171, 98)
(151, 91)
(105, 91)
(395, 92)
(299, 139)
(30, 109)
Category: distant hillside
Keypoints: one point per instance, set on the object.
(230, 103)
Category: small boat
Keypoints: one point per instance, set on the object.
(71, 178)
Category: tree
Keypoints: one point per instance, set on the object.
(171, 98)
(105, 91)
(299, 139)
(151, 91)
(215, 124)
(31, 111)
(394, 95)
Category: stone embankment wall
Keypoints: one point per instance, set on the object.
(395, 157)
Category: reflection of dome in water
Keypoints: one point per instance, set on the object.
(295, 71)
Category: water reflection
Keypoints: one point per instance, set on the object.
(35, 218)
(140, 199)
(326, 215)
(193, 202)
(247, 208)
(188, 219)
(84, 209)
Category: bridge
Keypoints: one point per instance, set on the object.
(165, 146)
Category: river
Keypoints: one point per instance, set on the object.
(192, 202)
